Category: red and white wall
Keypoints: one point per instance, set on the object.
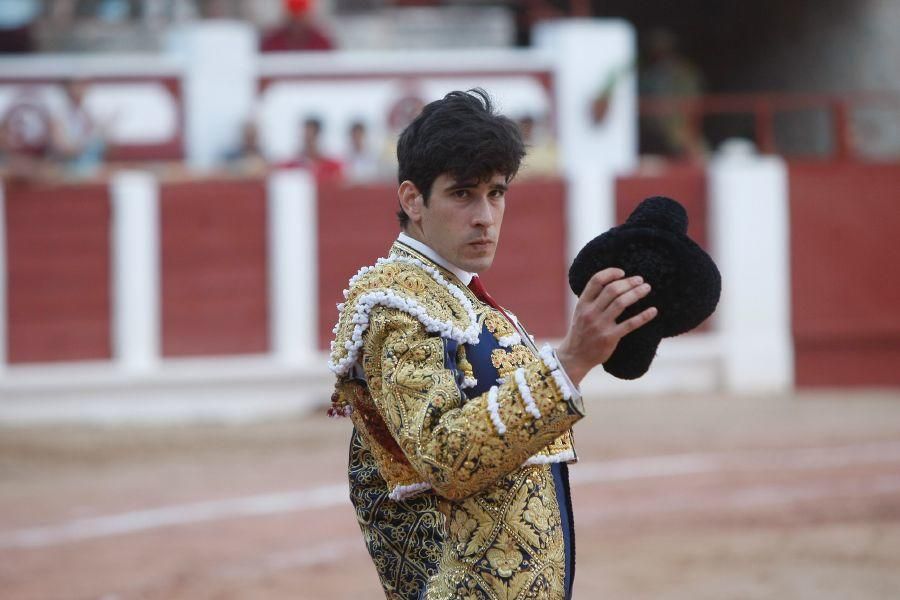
(217, 293)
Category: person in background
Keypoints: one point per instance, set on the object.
(668, 75)
(400, 113)
(360, 163)
(311, 157)
(541, 160)
(79, 141)
(26, 130)
(298, 32)
(17, 19)
(247, 157)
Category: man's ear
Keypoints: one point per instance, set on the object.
(411, 200)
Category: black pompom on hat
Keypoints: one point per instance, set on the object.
(685, 283)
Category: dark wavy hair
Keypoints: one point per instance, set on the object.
(459, 135)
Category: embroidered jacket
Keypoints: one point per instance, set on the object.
(458, 421)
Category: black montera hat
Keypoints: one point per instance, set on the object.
(685, 283)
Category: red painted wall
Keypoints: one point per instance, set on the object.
(214, 268)
(357, 225)
(845, 221)
(58, 286)
(684, 183)
(529, 275)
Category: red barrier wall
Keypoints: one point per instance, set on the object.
(214, 268)
(530, 270)
(58, 286)
(684, 183)
(357, 225)
(845, 220)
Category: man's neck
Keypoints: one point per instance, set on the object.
(422, 248)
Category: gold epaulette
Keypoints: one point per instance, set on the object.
(406, 284)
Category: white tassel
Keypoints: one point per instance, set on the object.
(564, 388)
(543, 459)
(549, 358)
(402, 492)
(494, 409)
(525, 391)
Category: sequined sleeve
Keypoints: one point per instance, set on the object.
(459, 447)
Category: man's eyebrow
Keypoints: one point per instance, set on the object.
(461, 185)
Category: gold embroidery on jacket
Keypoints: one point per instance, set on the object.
(463, 363)
(405, 538)
(500, 520)
(507, 361)
(497, 324)
(508, 542)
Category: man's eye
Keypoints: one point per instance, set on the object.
(461, 193)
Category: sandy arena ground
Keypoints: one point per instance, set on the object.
(677, 498)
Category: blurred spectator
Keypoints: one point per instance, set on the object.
(216, 9)
(113, 11)
(298, 32)
(247, 157)
(311, 156)
(17, 20)
(25, 137)
(541, 159)
(667, 75)
(360, 163)
(400, 113)
(79, 141)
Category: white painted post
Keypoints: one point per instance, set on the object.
(219, 85)
(751, 245)
(4, 277)
(591, 56)
(293, 266)
(135, 270)
(591, 210)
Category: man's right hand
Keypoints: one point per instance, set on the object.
(594, 333)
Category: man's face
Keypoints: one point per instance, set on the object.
(462, 220)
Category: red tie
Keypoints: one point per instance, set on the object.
(478, 289)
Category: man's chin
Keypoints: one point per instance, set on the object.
(478, 260)
(479, 265)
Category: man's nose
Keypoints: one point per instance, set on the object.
(483, 216)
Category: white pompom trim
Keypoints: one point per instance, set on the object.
(549, 358)
(525, 391)
(494, 409)
(469, 382)
(402, 492)
(543, 459)
(509, 340)
(366, 302)
(562, 383)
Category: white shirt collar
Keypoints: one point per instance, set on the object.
(464, 276)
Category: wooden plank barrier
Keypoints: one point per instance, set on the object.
(58, 269)
(214, 267)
